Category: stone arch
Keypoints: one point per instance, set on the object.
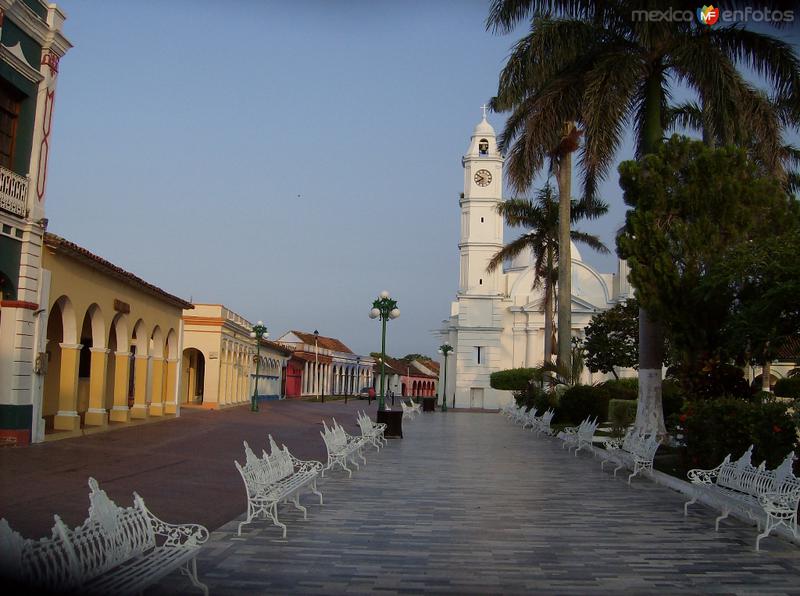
(172, 344)
(193, 376)
(69, 321)
(140, 338)
(156, 347)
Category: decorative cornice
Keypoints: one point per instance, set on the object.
(18, 304)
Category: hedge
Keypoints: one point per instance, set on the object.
(581, 401)
(788, 387)
(622, 412)
(515, 379)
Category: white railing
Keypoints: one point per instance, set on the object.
(13, 192)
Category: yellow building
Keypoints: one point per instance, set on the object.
(219, 359)
(111, 351)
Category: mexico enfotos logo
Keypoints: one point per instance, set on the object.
(711, 15)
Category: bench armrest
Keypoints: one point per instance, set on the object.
(780, 502)
(570, 430)
(302, 465)
(699, 476)
(175, 534)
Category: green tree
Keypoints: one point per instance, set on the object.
(691, 205)
(600, 65)
(612, 339)
(762, 283)
(540, 218)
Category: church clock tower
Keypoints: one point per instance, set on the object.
(481, 225)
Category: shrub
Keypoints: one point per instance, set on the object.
(621, 388)
(622, 412)
(515, 379)
(672, 399)
(715, 428)
(788, 387)
(581, 401)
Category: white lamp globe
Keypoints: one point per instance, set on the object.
(384, 294)
(374, 313)
(266, 335)
(261, 323)
(395, 312)
(253, 334)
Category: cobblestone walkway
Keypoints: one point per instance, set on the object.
(470, 504)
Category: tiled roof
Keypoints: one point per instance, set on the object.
(790, 350)
(78, 252)
(328, 343)
(310, 357)
(277, 347)
(430, 364)
(402, 368)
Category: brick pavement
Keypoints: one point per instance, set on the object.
(182, 467)
(470, 504)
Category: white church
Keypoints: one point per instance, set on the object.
(497, 321)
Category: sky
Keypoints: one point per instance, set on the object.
(287, 159)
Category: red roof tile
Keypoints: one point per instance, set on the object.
(78, 252)
(328, 343)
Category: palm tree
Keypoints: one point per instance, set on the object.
(599, 64)
(541, 218)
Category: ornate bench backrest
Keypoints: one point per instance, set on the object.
(280, 462)
(47, 563)
(110, 535)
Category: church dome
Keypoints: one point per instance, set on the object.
(525, 258)
(483, 129)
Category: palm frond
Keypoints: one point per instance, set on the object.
(589, 240)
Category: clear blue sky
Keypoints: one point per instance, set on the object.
(185, 131)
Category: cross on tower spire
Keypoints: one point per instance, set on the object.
(484, 107)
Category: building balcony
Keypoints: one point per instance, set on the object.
(13, 192)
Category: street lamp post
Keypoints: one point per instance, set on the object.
(258, 333)
(316, 367)
(384, 308)
(445, 350)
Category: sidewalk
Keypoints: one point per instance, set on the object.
(470, 504)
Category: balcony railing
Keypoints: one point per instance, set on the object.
(13, 192)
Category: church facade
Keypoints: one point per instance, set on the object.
(497, 319)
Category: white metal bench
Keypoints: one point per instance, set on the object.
(408, 411)
(761, 494)
(636, 452)
(579, 437)
(117, 550)
(372, 431)
(541, 424)
(341, 447)
(528, 419)
(415, 406)
(276, 478)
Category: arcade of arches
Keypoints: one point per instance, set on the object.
(111, 343)
(219, 359)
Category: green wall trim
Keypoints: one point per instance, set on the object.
(30, 49)
(16, 417)
(10, 251)
(37, 7)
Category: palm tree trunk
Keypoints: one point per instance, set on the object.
(650, 411)
(548, 308)
(564, 255)
(766, 375)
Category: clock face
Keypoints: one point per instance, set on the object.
(483, 177)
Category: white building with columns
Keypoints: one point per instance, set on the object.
(497, 319)
(323, 366)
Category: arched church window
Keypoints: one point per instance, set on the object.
(483, 147)
(481, 220)
(480, 282)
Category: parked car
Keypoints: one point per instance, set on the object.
(364, 393)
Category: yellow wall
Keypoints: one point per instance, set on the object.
(75, 287)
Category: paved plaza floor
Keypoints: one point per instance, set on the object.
(471, 504)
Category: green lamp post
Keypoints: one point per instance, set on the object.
(445, 350)
(258, 333)
(384, 308)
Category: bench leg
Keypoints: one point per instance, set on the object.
(190, 570)
(273, 513)
(316, 491)
(686, 505)
(770, 524)
(361, 455)
(617, 469)
(297, 505)
(252, 513)
(725, 514)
